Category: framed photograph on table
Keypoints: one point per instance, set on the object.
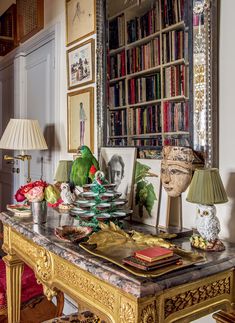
(147, 191)
(80, 119)
(80, 20)
(81, 64)
(118, 165)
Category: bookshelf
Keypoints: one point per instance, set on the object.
(148, 81)
(8, 30)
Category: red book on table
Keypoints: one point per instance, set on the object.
(153, 253)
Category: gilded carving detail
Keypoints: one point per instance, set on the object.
(92, 289)
(49, 293)
(127, 313)
(196, 296)
(26, 247)
(148, 314)
(44, 268)
(6, 239)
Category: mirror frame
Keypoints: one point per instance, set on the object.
(205, 116)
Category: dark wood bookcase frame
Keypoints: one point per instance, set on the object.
(28, 24)
(8, 30)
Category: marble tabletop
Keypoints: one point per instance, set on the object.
(44, 236)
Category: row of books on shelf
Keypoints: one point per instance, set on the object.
(117, 142)
(177, 140)
(175, 81)
(143, 57)
(144, 89)
(175, 116)
(145, 25)
(173, 46)
(117, 94)
(145, 120)
(147, 55)
(150, 142)
(117, 32)
(152, 258)
(157, 141)
(117, 65)
(118, 123)
(172, 12)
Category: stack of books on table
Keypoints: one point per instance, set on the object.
(152, 258)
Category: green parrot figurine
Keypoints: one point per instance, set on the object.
(84, 167)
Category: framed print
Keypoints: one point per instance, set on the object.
(80, 119)
(147, 191)
(118, 165)
(80, 20)
(81, 65)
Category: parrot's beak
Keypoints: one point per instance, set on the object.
(79, 152)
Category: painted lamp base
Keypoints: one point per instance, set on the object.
(199, 242)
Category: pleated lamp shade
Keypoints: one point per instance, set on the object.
(63, 171)
(206, 187)
(23, 134)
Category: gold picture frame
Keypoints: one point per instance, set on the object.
(80, 20)
(81, 64)
(80, 118)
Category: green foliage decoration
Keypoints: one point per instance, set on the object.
(145, 195)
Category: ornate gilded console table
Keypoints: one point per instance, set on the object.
(111, 292)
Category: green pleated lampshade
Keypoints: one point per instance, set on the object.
(206, 187)
(63, 171)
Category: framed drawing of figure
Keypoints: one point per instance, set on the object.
(80, 20)
(118, 165)
(80, 119)
(81, 65)
(147, 191)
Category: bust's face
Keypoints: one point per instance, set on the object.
(175, 177)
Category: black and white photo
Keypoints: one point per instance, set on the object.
(118, 166)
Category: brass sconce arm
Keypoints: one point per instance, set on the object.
(23, 158)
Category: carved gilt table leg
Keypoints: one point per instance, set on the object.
(14, 267)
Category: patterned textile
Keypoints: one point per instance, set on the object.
(84, 317)
(30, 288)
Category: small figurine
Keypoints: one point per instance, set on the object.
(66, 195)
(98, 182)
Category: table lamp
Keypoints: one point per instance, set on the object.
(63, 171)
(62, 178)
(206, 189)
(23, 134)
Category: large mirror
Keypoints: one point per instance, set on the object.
(201, 31)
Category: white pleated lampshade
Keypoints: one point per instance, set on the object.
(23, 134)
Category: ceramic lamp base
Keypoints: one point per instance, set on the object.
(198, 242)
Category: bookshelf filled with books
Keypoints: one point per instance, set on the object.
(148, 82)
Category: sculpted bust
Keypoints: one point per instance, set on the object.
(176, 169)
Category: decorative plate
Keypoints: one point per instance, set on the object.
(72, 233)
(114, 244)
(20, 210)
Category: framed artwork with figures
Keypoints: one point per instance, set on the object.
(80, 20)
(147, 191)
(80, 117)
(118, 165)
(81, 65)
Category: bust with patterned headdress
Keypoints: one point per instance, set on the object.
(176, 169)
